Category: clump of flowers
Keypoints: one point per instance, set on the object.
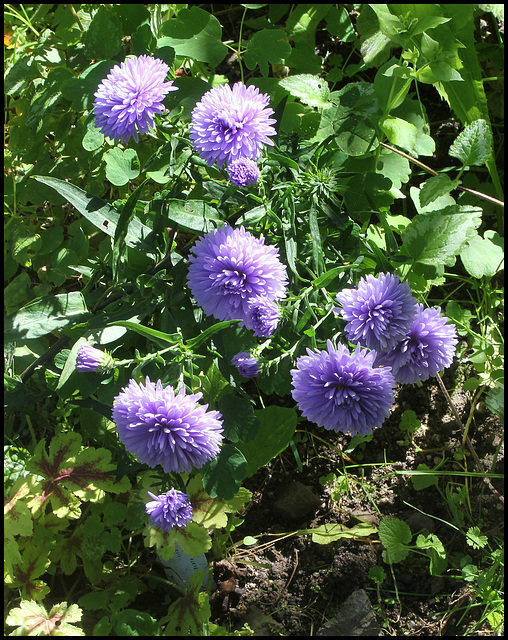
(91, 359)
(243, 172)
(247, 366)
(229, 267)
(127, 100)
(171, 509)
(163, 427)
(378, 312)
(230, 123)
(427, 348)
(343, 391)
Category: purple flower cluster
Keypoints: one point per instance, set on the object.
(172, 509)
(231, 125)
(234, 275)
(129, 97)
(163, 427)
(382, 314)
(397, 341)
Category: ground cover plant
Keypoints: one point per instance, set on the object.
(253, 318)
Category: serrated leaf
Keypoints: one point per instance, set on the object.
(213, 512)
(473, 146)
(395, 535)
(436, 551)
(309, 89)
(193, 540)
(436, 187)
(223, 475)
(187, 615)
(438, 236)
(34, 620)
(71, 472)
(240, 423)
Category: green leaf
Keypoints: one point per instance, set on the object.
(101, 214)
(474, 539)
(130, 622)
(438, 236)
(436, 187)
(122, 228)
(71, 474)
(425, 480)
(399, 132)
(152, 334)
(483, 256)
(45, 315)
(436, 551)
(309, 89)
(474, 145)
(212, 513)
(194, 33)
(17, 292)
(191, 215)
(268, 46)
(355, 136)
(495, 402)
(32, 619)
(332, 532)
(188, 615)
(103, 38)
(278, 425)
(223, 475)
(193, 343)
(240, 423)
(395, 535)
(121, 166)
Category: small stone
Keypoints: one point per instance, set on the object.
(296, 502)
(354, 618)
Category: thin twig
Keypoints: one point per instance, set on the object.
(435, 173)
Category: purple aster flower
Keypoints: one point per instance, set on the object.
(129, 97)
(262, 316)
(427, 348)
(378, 312)
(343, 391)
(161, 427)
(91, 359)
(229, 268)
(172, 509)
(231, 123)
(247, 366)
(243, 172)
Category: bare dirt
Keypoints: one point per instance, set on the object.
(288, 585)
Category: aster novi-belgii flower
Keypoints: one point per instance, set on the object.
(243, 172)
(163, 427)
(129, 97)
(247, 366)
(231, 123)
(229, 267)
(172, 509)
(89, 358)
(378, 312)
(343, 391)
(427, 348)
(262, 316)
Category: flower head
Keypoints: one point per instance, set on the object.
(378, 312)
(342, 391)
(129, 97)
(262, 316)
(427, 348)
(247, 366)
(91, 359)
(243, 172)
(229, 268)
(231, 123)
(172, 509)
(161, 427)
